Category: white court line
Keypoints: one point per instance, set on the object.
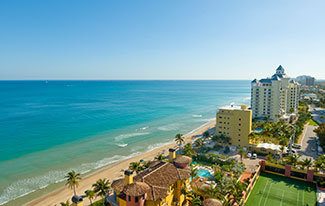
(298, 198)
(282, 198)
(303, 199)
(268, 192)
(263, 192)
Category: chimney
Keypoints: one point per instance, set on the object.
(243, 107)
(128, 177)
(172, 154)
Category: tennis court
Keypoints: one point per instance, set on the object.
(275, 190)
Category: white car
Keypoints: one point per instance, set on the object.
(254, 156)
(249, 155)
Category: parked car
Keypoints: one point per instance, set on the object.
(254, 156)
(249, 155)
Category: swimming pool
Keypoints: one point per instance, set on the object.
(258, 130)
(204, 173)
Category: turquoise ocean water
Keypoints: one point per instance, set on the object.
(49, 128)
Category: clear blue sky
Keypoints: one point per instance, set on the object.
(160, 39)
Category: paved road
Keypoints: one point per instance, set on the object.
(308, 143)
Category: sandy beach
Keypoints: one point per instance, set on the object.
(111, 172)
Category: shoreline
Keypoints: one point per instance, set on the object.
(111, 172)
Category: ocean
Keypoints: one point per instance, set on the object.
(48, 128)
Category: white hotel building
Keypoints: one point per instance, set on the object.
(274, 98)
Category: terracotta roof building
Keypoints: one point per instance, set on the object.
(160, 184)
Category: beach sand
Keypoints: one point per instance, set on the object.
(111, 172)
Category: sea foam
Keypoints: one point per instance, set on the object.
(129, 135)
(26, 186)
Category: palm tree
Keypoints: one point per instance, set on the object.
(320, 163)
(237, 190)
(241, 152)
(199, 143)
(225, 139)
(90, 194)
(179, 139)
(213, 192)
(206, 134)
(293, 159)
(188, 150)
(270, 158)
(307, 163)
(67, 203)
(73, 180)
(187, 195)
(282, 148)
(160, 157)
(102, 187)
(193, 172)
(135, 166)
(196, 201)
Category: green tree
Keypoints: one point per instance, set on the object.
(90, 194)
(320, 131)
(67, 203)
(292, 159)
(135, 166)
(306, 163)
(102, 187)
(179, 139)
(206, 134)
(320, 163)
(193, 172)
(160, 157)
(199, 143)
(188, 150)
(72, 180)
(241, 152)
(282, 148)
(196, 200)
(270, 158)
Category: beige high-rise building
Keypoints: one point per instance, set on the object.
(274, 98)
(236, 123)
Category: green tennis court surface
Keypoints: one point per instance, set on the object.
(274, 190)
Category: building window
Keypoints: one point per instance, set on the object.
(129, 198)
(136, 199)
(239, 124)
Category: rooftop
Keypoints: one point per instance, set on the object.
(159, 178)
(234, 107)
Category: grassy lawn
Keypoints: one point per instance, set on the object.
(274, 190)
(312, 122)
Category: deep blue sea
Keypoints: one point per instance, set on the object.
(48, 128)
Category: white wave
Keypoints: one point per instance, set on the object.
(197, 115)
(247, 98)
(169, 127)
(129, 135)
(144, 128)
(122, 145)
(202, 120)
(157, 145)
(26, 186)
